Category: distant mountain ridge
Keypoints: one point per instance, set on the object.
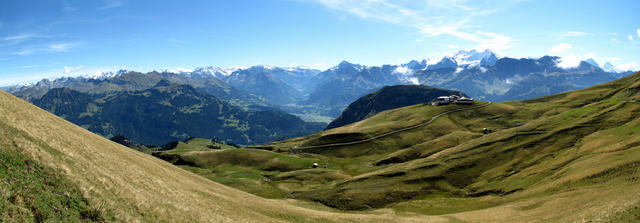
(169, 112)
(124, 80)
(309, 92)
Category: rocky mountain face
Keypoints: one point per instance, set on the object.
(268, 82)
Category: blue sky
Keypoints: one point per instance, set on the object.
(53, 38)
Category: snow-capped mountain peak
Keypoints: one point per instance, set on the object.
(106, 75)
(592, 62)
(178, 70)
(346, 65)
(608, 67)
(474, 57)
(216, 71)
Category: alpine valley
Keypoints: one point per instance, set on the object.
(320, 111)
(250, 104)
(569, 157)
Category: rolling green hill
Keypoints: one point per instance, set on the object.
(563, 157)
(389, 97)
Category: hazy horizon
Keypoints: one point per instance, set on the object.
(71, 38)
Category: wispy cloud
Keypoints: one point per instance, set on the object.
(560, 48)
(29, 66)
(485, 40)
(633, 66)
(614, 58)
(66, 7)
(25, 52)
(430, 17)
(109, 4)
(22, 38)
(50, 48)
(63, 47)
(72, 69)
(19, 37)
(638, 31)
(573, 34)
(630, 37)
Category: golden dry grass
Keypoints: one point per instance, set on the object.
(137, 187)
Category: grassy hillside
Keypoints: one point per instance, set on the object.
(563, 158)
(32, 192)
(264, 173)
(131, 186)
(389, 97)
(567, 157)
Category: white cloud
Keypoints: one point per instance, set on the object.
(485, 40)
(614, 40)
(64, 47)
(72, 70)
(430, 17)
(614, 58)
(60, 47)
(403, 70)
(573, 34)
(50, 48)
(590, 55)
(414, 80)
(633, 66)
(630, 37)
(66, 7)
(19, 37)
(638, 31)
(25, 52)
(560, 48)
(569, 61)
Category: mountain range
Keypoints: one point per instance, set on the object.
(253, 102)
(309, 92)
(568, 157)
(170, 112)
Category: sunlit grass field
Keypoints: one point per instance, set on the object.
(570, 157)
